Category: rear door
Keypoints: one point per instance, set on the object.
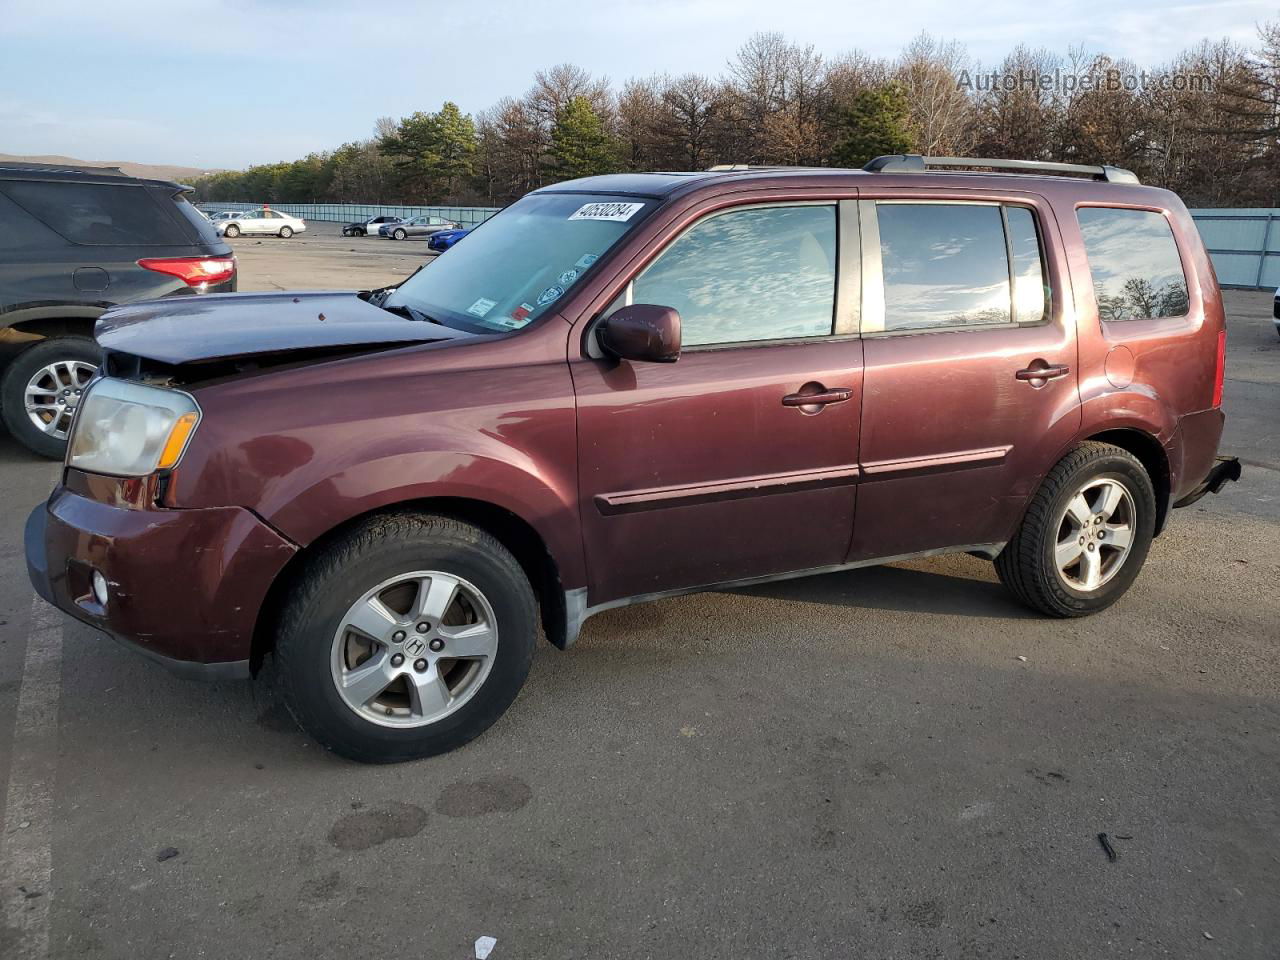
(970, 376)
(711, 469)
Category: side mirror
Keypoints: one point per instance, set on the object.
(644, 332)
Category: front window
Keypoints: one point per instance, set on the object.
(524, 260)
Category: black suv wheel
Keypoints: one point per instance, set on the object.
(41, 389)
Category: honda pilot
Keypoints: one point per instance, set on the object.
(633, 386)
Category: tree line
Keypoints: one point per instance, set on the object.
(1206, 124)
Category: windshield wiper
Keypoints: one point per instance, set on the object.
(411, 313)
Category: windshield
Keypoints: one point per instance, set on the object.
(522, 261)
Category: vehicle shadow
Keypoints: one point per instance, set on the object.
(951, 586)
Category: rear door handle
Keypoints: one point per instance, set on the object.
(1044, 371)
(834, 395)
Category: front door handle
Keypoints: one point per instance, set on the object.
(818, 398)
(1039, 370)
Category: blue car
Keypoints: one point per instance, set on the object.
(445, 239)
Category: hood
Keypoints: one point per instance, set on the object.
(192, 329)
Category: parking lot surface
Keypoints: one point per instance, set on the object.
(897, 762)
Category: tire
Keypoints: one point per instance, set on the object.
(399, 234)
(314, 645)
(231, 231)
(357, 232)
(52, 367)
(1030, 564)
(286, 233)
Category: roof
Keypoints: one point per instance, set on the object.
(25, 170)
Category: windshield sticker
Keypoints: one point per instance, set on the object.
(511, 323)
(550, 295)
(606, 211)
(586, 260)
(567, 277)
(522, 311)
(481, 307)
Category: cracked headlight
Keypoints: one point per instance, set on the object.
(131, 429)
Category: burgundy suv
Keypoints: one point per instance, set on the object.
(631, 386)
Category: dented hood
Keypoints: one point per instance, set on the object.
(224, 326)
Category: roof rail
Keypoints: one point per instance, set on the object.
(62, 168)
(915, 163)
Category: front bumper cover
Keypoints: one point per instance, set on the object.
(185, 586)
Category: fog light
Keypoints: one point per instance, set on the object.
(100, 588)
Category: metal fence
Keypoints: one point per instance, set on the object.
(1244, 244)
(354, 212)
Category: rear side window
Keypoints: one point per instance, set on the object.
(97, 213)
(203, 228)
(762, 273)
(948, 265)
(1137, 274)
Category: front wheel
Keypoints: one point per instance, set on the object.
(1085, 534)
(42, 387)
(400, 234)
(406, 638)
(286, 233)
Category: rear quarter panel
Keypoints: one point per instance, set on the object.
(1156, 376)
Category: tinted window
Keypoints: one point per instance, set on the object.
(203, 228)
(944, 265)
(766, 273)
(1030, 292)
(1134, 262)
(21, 231)
(97, 213)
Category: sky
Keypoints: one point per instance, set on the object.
(228, 83)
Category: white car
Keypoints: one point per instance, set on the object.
(261, 221)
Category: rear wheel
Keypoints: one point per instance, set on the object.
(42, 387)
(400, 234)
(231, 231)
(407, 638)
(1085, 535)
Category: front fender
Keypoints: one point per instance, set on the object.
(367, 485)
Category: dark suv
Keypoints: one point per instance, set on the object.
(75, 241)
(632, 386)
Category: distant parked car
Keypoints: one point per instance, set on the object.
(370, 226)
(442, 240)
(224, 215)
(1275, 311)
(77, 241)
(260, 221)
(422, 226)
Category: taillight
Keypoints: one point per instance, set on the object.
(194, 271)
(1220, 369)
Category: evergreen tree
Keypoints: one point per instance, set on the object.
(872, 123)
(580, 144)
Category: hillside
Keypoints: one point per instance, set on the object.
(156, 171)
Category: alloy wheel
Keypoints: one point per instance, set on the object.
(1095, 534)
(414, 649)
(53, 392)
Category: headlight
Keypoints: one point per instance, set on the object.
(130, 429)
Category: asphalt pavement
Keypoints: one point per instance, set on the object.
(897, 762)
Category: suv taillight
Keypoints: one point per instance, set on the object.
(194, 271)
(1220, 370)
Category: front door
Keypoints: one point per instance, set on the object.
(970, 378)
(714, 469)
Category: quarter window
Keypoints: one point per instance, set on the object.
(957, 264)
(760, 273)
(1137, 273)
